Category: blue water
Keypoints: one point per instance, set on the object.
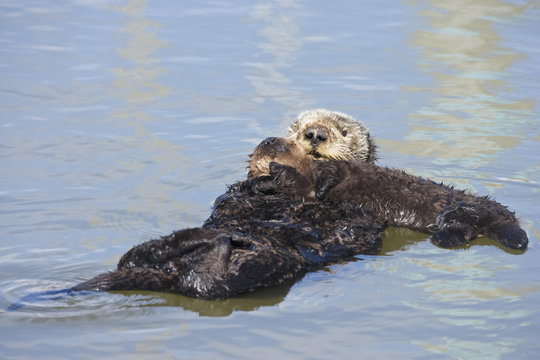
(123, 120)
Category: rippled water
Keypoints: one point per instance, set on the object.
(121, 121)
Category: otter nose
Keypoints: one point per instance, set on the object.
(269, 140)
(315, 135)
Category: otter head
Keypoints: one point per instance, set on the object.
(325, 134)
(280, 150)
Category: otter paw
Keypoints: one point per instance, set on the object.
(451, 237)
(327, 178)
(284, 175)
(261, 185)
(239, 241)
(290, 182)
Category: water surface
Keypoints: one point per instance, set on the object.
(123, 120)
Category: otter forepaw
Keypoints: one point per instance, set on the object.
(284, 175)
(261, 185)
(239, 241)
(327, 178)
(290, 182)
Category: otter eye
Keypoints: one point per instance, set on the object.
(344, 132)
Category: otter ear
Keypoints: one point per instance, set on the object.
(293, 128)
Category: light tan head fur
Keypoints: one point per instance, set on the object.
(324, 134)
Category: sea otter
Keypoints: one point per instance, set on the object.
(454, 217)
(325, 134)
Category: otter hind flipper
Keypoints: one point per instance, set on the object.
(460, 223)
(509, 234)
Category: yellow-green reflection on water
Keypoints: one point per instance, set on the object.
(468, 118)
(467, 284)
(137, 83)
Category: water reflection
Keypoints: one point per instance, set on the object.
(42, 305)
(467, 349)
(473, 297)
(139, 85)
(218, 308)
(470, 117)
(396, 239)
(280, 40)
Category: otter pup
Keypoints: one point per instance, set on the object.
(454, 217)
(324, 134)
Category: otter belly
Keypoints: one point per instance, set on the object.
(412, 220)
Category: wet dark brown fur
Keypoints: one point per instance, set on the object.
(250, 241)
(454, 217)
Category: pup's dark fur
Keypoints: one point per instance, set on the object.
(454, 217)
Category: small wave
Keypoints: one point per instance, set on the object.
(55, 301)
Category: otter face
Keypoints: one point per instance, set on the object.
(324, 134)
(281, 150)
